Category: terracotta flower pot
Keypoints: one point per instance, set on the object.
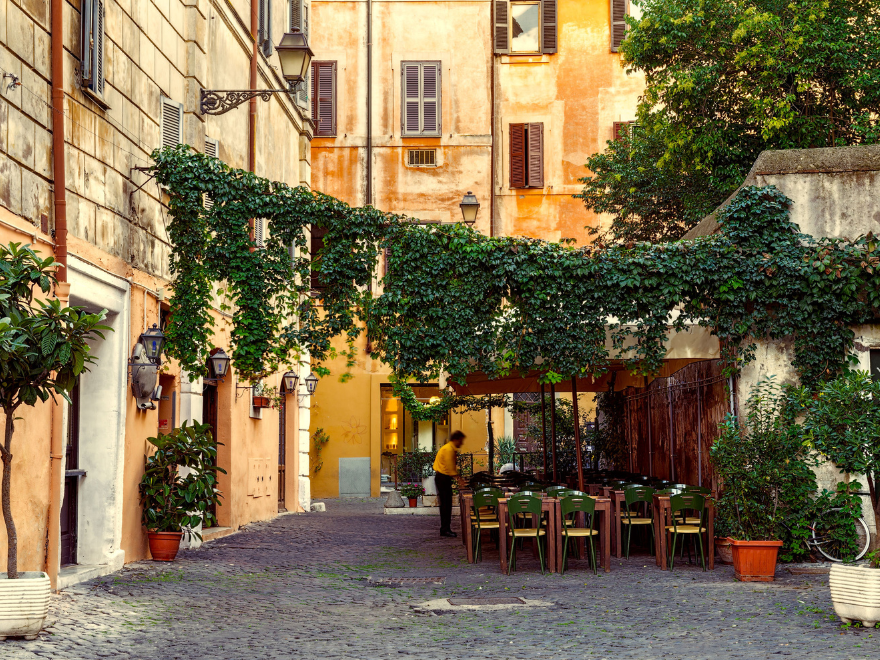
(755, 561)
(164, 545)
(724, 550)
(413, 502)
(261, 402)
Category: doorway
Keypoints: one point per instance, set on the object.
(209, 416)
(72, 473)
(282, 451)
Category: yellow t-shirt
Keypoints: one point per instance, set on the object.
(447, 460)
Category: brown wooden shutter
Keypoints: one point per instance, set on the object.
(618, 23)
(536, 155)
(317, 244)
(411, 99)
(517, 155)
(502, 30)
(619, 130)
(324, 98)
(548, 26)
(296, 7)
(387, 255)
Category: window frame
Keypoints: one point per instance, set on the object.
(540, 7)
(530, 180)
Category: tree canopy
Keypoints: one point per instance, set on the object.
(725, 80)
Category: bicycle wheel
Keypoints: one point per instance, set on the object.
(832, 541)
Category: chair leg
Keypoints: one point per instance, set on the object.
(564, 555)
(593, 557)
(540, 552)
(512, 557)
(672, 556)
(702, 552)
(628, 539)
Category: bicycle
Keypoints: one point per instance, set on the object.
(829, 537)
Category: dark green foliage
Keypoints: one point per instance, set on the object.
(415, 465)
(43, 350)
(172, 502)
(724, 82)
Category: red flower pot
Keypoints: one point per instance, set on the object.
(413, 502)
(164, 545)
(261, 402)
(755, 561)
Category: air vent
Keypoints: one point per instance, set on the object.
(421, 157)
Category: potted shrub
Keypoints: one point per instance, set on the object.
(765, 476)
(412, 492)
(43, 350)
(855, 591)
(177, 501)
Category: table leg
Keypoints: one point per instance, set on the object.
(462, 518)
(502, 535)
(552, 564)
(560, 542)
(618, 546)
(710, 532)
(467, 532)
(662, 544)
(606, 536)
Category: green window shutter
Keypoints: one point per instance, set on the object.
(548, 26)
(618, 23)
(501, 27)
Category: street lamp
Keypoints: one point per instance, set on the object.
(295, 56)
(311, 383)
(469, 208)
(219, 363)
(153, 341)
(290, 380)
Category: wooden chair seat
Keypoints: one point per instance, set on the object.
(635, 521)
(489, 525)
(686, 529)
(529, 532)
(582, 531)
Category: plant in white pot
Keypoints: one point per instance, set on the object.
(855, 590)
(43, 350)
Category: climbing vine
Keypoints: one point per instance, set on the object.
(455, 301)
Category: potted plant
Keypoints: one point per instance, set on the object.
(264, 396)
(176, 501)
(43, 350)
(412, 492)
(765, 474)
(855, 590)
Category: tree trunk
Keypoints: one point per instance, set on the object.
(11, 536)
(875, 504)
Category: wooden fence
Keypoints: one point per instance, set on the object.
(672, 423)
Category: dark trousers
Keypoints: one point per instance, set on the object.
(444, 495)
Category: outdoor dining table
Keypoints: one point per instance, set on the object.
(550, 506)
(663, 517)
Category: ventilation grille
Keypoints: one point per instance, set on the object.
(421, 157)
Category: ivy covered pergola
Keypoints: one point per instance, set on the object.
(485, 311)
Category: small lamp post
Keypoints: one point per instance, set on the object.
(469, 208)
(219, 363)
(153, 341)
(295, 56)
(290, 380)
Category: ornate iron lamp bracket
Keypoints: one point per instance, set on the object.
(219, 101)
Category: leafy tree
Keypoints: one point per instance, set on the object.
(726, 80)
(43, 350)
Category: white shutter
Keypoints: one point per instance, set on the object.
(212, 148)
(172, 122)
(431, 98)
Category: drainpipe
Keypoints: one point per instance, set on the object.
(369, 102)
(492, 134)
(62, 289)
(252, 104)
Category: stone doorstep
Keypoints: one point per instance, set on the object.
(408, 511)
(214, 533)
(69, 576)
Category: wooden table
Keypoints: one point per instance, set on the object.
(663, 517)
(550, 506)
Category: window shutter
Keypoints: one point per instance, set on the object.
(387, 256)
(324, 97)
(264, 30)
(502, 30)
(548, 26)
(296, 8)
(411, 98)
(172, 122)
(430, 98)
(92, 54)
(621, 129)
(212, 148)
(88, 40)
(259, 232)
(618, 23)
(517, 155)
(536, 156)
(98, 67)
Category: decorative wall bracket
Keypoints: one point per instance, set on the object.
(219, 101)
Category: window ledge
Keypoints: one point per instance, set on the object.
(95, 97)
(525, 59)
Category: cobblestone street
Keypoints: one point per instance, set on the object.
(310, 586)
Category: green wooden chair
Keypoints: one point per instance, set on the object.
(571, 506)
(684, 503)
(641, 496)
(520, 510)
(483, 503)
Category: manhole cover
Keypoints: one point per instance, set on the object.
(485, 601)
(403, 581)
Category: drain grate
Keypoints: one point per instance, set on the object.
(405, 581)
(485, 601)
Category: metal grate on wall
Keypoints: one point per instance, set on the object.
(421, 157)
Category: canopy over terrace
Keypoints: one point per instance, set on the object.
(683, 348)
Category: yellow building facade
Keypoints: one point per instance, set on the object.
(416, 103)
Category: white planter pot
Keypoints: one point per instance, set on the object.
(429, 486)
(855, 591)
(24, 604)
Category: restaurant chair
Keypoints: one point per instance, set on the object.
(684, 503)
(483, 502)
(570, 507)
(644, 497)
(520, 509)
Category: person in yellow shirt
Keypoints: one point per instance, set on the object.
(445, 470)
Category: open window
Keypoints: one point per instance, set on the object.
(525, 27)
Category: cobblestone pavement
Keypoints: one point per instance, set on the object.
(305, 586)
